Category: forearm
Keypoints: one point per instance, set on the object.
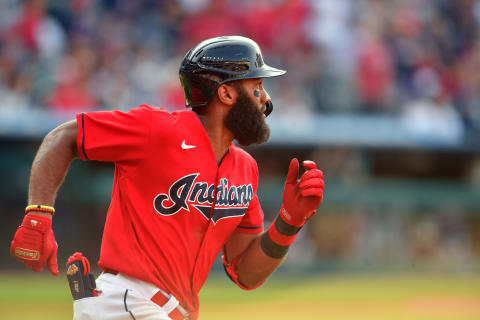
(51, 163)
(255, 266)
(266, 252)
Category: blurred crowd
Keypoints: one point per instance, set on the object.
(413, 59)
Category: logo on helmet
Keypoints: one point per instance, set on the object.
(259, 63)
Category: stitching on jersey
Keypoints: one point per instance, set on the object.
(83, 137)
(257, 227)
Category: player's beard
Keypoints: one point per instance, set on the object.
(246, 121)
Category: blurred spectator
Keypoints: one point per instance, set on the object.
(72, 90)
(431, 117)
(374, 72)
(15, 96)
(329, 28)
(216, 19)
(28, 23)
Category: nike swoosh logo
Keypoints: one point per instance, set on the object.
(186, 146)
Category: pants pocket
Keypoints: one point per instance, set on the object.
(85, 309)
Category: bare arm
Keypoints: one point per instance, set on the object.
(51, 163)
(34, 242)
(254, 266)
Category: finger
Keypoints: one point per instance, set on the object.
(37, 267)
(313, 182)
(52, 262)
(293, 171)
(315, 192)
(12, 248)
(313, 173)
(28, 264)
(308, 164)
(312, 214)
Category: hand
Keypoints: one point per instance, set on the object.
(34, 243)
(301, 197)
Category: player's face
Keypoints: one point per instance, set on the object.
(258, 93)
(246, 119)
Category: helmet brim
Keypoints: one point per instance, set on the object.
(265, 72)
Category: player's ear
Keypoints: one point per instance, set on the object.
(227, 94)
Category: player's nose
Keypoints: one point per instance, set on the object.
(265, 97)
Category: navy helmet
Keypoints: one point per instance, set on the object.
(220, 60)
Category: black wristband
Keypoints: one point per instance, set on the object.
(285, 228)
(272, 249)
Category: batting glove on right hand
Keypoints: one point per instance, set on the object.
(301, 197)
(34, 243)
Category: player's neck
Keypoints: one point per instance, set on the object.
(220, 136)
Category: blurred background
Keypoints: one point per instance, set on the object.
(383, 95)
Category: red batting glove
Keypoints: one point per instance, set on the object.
(34, 243)
(301, 197)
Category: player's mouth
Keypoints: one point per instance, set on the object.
(263, 109)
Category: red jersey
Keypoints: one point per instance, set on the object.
(172, 207)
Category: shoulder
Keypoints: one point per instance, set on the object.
(162, 113)
(156, 111)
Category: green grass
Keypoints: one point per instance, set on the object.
(334, 297)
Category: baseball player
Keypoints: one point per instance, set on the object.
(182, 191)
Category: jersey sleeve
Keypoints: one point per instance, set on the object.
(252, 221)
(114, 136)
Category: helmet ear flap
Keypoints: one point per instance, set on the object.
(198, 89)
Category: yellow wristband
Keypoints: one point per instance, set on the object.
(37, 207)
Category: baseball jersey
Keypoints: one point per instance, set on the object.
(172, 207)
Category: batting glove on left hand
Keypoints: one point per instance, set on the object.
(301, 197)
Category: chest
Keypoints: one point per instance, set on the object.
(182, 174)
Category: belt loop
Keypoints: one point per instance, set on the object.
(171, 304)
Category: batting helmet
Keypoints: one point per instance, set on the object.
(219, 60)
